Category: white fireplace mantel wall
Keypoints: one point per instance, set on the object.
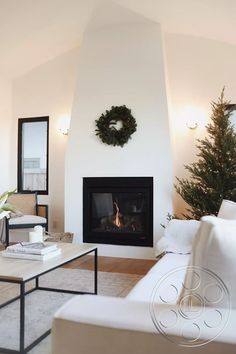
(120, 63)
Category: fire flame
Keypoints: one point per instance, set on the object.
(117, 221)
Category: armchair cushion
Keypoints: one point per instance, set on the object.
(27, 219)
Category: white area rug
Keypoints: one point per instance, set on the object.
(41, 305)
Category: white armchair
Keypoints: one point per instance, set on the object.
(31, 213)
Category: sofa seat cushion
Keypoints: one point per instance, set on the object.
(169, 263)
(27, 219)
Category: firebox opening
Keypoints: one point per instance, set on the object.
(118, 210)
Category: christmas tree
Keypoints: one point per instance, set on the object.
(213, 176)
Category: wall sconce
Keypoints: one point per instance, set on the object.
(192, 125)
(192, 117)
(63, 125)
(63, 131)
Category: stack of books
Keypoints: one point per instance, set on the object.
(38, 251)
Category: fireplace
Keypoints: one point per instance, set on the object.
(118, 210)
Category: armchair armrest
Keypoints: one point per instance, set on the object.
(42, 210)
(89, 324)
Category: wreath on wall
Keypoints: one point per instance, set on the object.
(106, 126)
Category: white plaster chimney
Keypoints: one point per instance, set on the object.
(121, 63)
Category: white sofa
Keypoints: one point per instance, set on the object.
(105, 325)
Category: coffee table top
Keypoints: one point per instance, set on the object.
(24, 269)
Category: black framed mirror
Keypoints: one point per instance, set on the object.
(33, 145)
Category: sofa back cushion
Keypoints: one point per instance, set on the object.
(212, 267)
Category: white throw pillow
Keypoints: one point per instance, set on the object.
(210, 278)
(178, 236)
(227, 210)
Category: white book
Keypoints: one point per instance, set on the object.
(35, 257)
(32, 248)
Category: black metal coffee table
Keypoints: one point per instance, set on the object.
(21, 271)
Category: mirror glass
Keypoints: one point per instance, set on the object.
(33, 155)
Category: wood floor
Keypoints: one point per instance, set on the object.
(114, 264)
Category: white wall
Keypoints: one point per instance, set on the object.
(5, 134)
(197, 71)
(48, 90)
(120, 64)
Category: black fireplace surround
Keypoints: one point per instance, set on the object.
(118, 210)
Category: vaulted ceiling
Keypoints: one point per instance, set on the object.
(33, 32)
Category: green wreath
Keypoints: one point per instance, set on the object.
(106, 130)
